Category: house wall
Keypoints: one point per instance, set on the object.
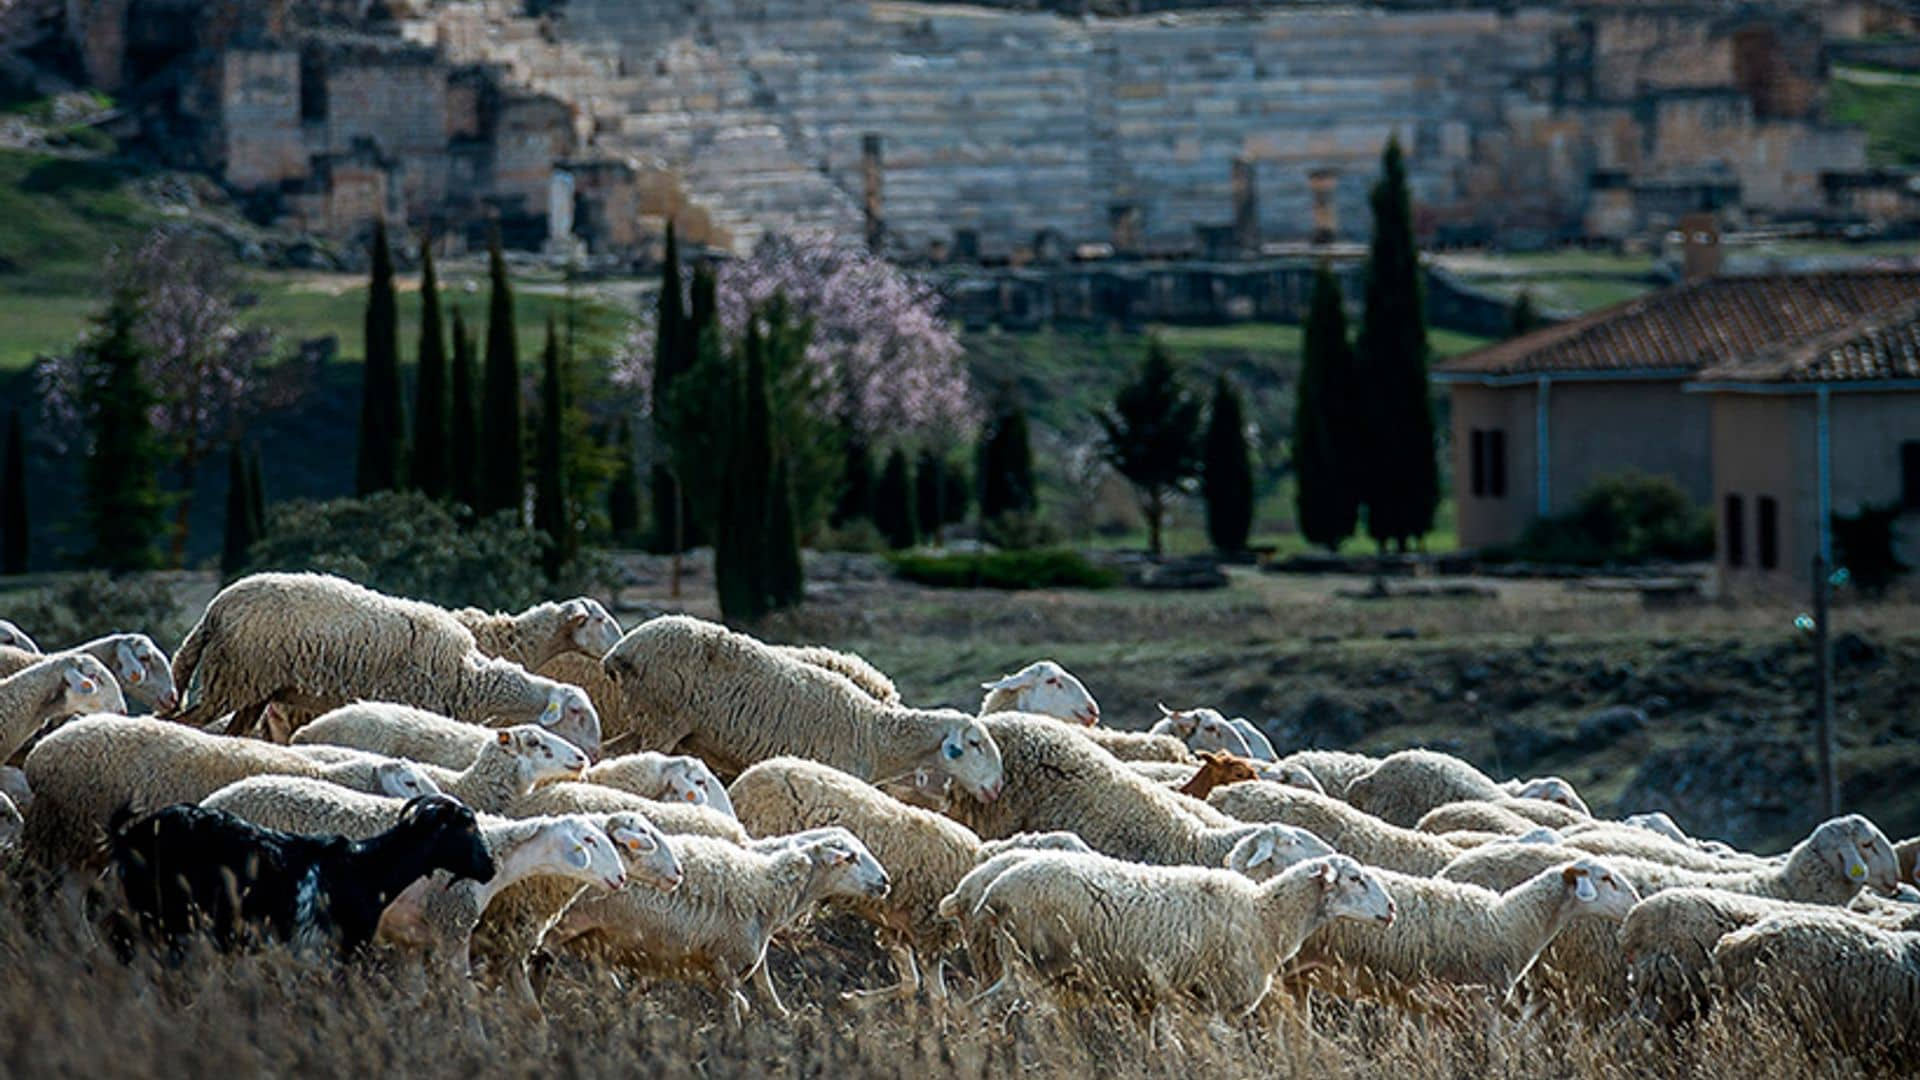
(1867, 430)
(1485, 520)
(260, 111)
(1601, 429)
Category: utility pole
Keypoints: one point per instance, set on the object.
(1823, 685)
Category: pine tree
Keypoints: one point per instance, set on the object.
(1399, 474)
(1006, 463)
(125, 509)
(1523, 319)
(623, 497)
(675, 348)
(956, 494)
(1326, 493)
(893, 502)
(503, 473)
(13, 500)
(256, 495)
(430, 443)
(463, 423)
(1152, 437)
(382, 424)
(1226, 471)
(550, 514)
(239, 534)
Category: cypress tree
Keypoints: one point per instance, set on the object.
(675, 348)
(856, 483)
(786, 579)
(430, 444)
(956, 495)
(742, 557)
(550, 514)
(893, 502)
(1006, 463)
(930, 479)
(1152, 437)
(1326, 495)
(1399, 475)
(13, 499)
(623, 498)
(1226, 471)
(125, 509)
(503, 472)
(382, 424)
(1523, 319)
(256, 495)
(463, 423)
(239, 534)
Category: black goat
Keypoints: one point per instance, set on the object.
(186, 868)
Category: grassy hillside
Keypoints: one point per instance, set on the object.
(1886, 104)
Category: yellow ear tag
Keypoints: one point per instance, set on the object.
(1857, 870)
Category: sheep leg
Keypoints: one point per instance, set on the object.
(907, 983)
(245, 718)
(279, 728)
(763, 983)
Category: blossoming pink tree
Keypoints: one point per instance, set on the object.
(205, 366)
(891, 367)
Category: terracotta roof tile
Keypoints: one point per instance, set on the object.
(1699, 325)
(1872, 348)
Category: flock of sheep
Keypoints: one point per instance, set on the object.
(474, 789)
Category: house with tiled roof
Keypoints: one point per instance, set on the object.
(1718, 383)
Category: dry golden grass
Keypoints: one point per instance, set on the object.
(67, 1008)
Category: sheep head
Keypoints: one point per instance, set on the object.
(143, 671)
(1218, 770)
(843, 867)
(569, 713)
(590, 628)
(13, 637)
(1271, 849)
(1554, 790)
(1595, 889)
(403, 780)
(1203, 729)
(649, 857)
(86, 686)
(450, 835)
(967, 754)
(1859, 852)
(1350, 891)
(1046, 688)
(539, 755)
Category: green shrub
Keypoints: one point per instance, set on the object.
(1863, 543)
(1625, 519)
(1045, 568)
(86, 606)
(406, 544)
(1019, 531)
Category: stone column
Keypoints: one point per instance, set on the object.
(1324, 184)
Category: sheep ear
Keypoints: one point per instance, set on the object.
(1164, 711)
(129, 663)
(1582, 883)
(1328, 875)
(1004, 682)
(577, 855)
(1262, 851)
(505, 738)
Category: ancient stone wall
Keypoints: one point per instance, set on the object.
(262, 143)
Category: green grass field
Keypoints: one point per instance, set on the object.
(1886, 104)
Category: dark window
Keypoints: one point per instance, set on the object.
(1735, 526)
(1479, 467)
(1910, 475)
(1767, 531)
(1497, 463)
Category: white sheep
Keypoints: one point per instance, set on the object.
(1056, 780)
(50, 690)
(854, 667)
(1170, 775)
(513, 762)
(403, 731)
(925, 854)
(138, 666)
(543, 631)
(1204, 729)
(1156, 934)
(12, 637)
(731, 902)
(696, 687)
(1837, 980)
(521, 916)
(1828, 867)
(1448, 935)
(1551, 789)
(1409, 783)
(1138, 745)
(1350, 830)
(90, 767)
(314, 642)
(664, 777)
(1613, 839)
(1335, 769)
(1044, 688)
(1502, 814)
